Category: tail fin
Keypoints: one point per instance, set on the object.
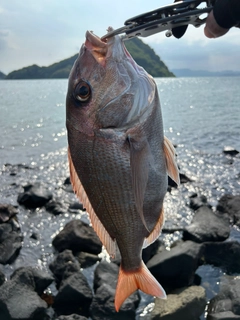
(142, 279)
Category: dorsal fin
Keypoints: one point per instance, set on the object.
(170, 156)
(139, 162)
(156, 231)
(98, 227)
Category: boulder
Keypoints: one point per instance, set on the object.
(19, 298)
(34, 196)
(230, 151)
(223, 254)
(231, 205)
(225, 315)
(56, 207)
(78, 236)
(198, 201)
(102, 306)
(87, 260)
(105, 273)
(150, 251)
(207, 226)
(10, 241)
(74, 295)
(64, 266)
(176, 268)
(7, 211)
(2, 278)
(227, 300)
(188, 304)
(75, 206)
(72, 317)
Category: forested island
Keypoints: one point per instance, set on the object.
(143, 54)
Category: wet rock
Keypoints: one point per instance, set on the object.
(56, 207)
(207, 226)
(225, 315)
(67, 185)
(230, 151)
(34, 196)
(10, 241)
(34, 236)
(64, 266)
(72, 317)
(19, 298)
(102, 306)
(7, 211)
(41, 279)
(74, 295)
(2, 278)
(198, 201)
(223, 254)
(105, 273)
(188, 304)
(176, 268)
(87, 260)
(184, 178)
(231, 205)
(227, 300)
(78, 236)
(76, 206)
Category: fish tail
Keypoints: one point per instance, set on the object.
(130, 281)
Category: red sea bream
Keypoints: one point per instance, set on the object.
(118, 156)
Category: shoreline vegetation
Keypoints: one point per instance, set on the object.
(143, 54)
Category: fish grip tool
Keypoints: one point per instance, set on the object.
(173, 18)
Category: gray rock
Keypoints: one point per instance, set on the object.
(56, 207)
(227, 300)
(102, 307)
(74, 295)
(10, 241)
(207, 226)
(78, 236)
(197, 202)
(231, 205)
(150, 251)
(86, 260)
(34, 196)
(72, 317)
(223, 254)
(18, 296)
(225, 315)
(7, 211)
(105, 273)
(2, 278)
(64, 266)
(176, 268)
(188, 304)
(230, 151)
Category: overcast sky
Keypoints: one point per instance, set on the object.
(46, 31)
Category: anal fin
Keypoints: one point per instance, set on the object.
(98, 227)
(156, 231)
(170, 156)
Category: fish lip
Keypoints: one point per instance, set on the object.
(94, 41)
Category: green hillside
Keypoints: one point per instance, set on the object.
(141, 52)
(2, 75)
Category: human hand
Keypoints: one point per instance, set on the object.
(212, 28)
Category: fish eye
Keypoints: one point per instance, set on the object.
(82, 91)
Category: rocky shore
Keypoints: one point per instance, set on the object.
(62, 291)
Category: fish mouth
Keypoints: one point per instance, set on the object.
(97, 47)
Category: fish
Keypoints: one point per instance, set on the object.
(119, 158)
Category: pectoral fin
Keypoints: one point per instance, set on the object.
(139, 160)
(98, 227)
(170, 156)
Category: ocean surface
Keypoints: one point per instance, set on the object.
(201, 116)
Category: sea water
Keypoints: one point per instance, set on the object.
(201, 116)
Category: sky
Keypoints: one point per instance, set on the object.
(47, 31)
